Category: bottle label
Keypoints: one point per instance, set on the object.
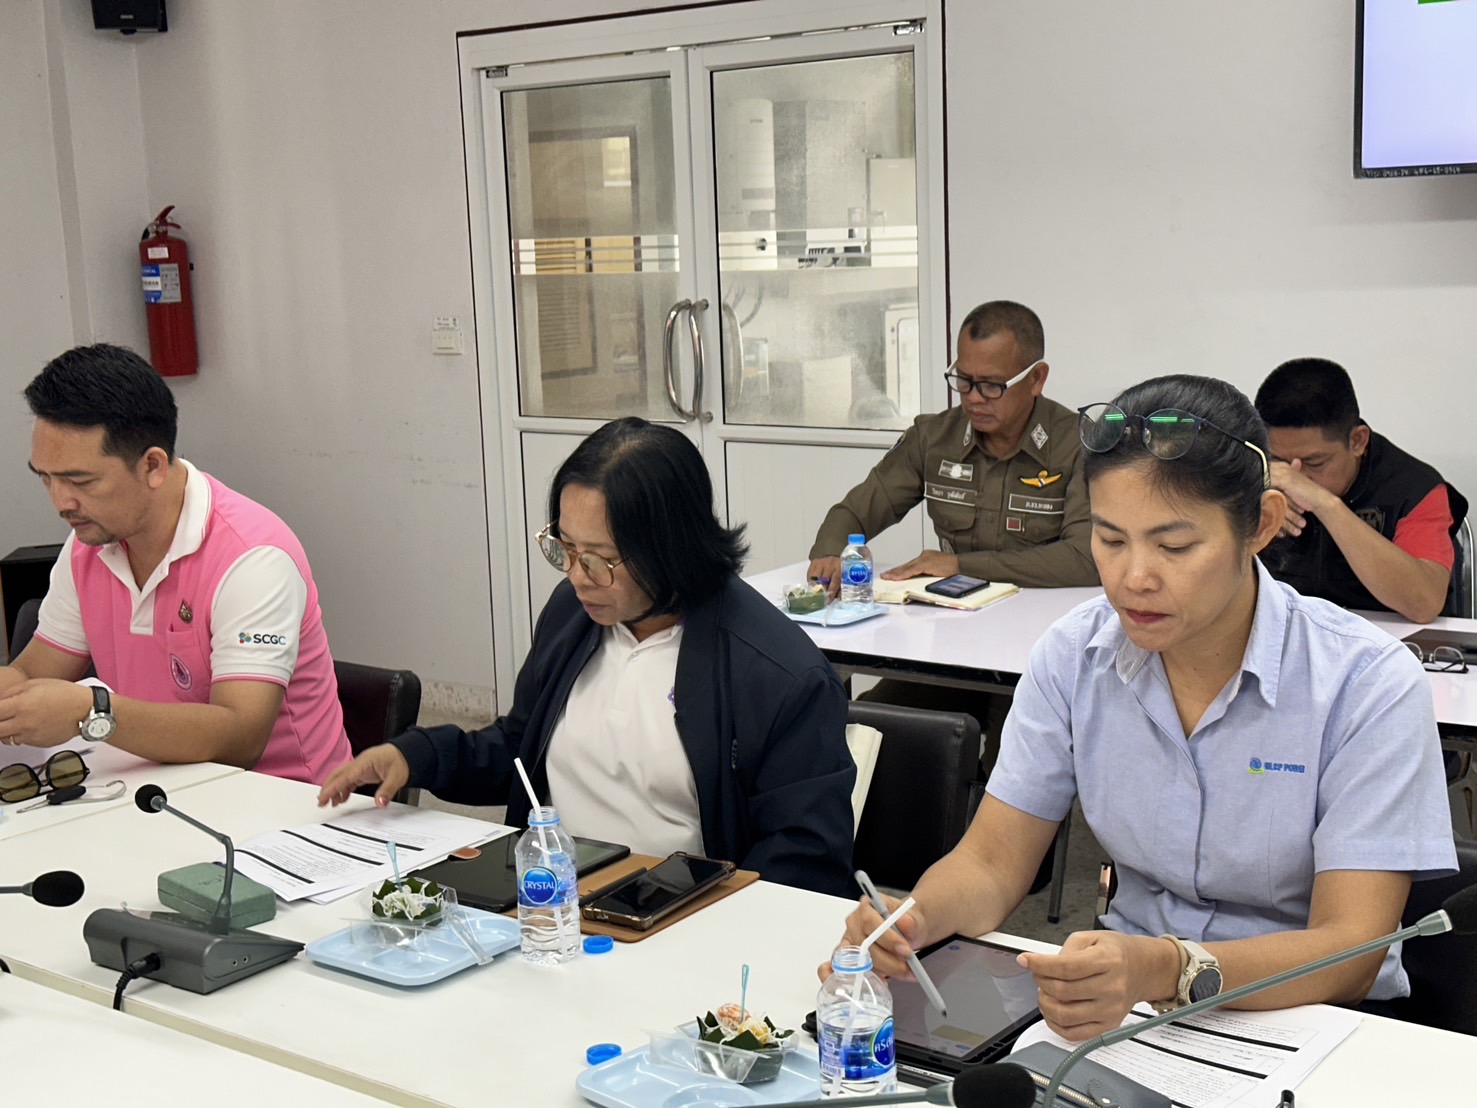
(537, 886)
(856, 573)
(863, 1057)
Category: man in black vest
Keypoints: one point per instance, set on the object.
(1368, 526)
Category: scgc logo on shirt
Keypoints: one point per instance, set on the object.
(248, 638)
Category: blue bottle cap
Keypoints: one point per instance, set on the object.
(599, 944)
(602, 1052)
(857, 540)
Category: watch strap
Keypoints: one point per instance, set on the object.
(102, 702)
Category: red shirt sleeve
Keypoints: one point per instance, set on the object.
(1426, 531)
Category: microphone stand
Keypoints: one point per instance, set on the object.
(220, 919)
(1436, 923)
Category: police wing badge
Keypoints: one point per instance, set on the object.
(1041, 480)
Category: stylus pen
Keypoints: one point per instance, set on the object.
(924, 981)
(591, 897)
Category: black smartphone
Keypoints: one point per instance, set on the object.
(956, 586)
(490, 880)
(991, 1000)
(643, 900)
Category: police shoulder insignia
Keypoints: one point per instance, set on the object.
(1041, 480)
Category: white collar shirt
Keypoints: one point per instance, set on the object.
(616, 765)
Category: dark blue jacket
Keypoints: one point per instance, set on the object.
(761, 715)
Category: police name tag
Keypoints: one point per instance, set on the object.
(951, 494)
(1037, 505)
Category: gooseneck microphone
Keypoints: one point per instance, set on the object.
(995, 1085)
(151, 798)
(1458, 913)
(56, 889)
(177, 950)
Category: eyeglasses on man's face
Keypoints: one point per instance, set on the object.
(61, 771)
(1168, 433)
(1440, 659)
(563, 556)
(990, 390)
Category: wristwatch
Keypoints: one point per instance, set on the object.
(99, 725)
(1200, 976)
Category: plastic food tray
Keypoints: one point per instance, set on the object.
(426, 955)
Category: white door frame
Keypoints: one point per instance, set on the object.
(532, 58)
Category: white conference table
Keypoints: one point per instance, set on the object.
(64, 1050)
(924, 642)
(989, 649)
(509, 1032)
(105, 763)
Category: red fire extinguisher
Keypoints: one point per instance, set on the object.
(165, 262)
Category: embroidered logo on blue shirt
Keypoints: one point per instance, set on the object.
(1259, 766)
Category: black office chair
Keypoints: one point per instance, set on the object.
(378, 703)
(918, 804)
(26, 619)
(1442, 968)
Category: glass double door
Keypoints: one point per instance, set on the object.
(723, 237)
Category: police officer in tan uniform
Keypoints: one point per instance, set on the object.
(999, 472)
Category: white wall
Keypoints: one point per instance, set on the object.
(1168, 184)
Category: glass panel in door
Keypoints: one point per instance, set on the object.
(593, 220)
(815, 169)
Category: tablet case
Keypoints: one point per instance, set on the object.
(601, 877)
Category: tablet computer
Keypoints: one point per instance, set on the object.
(990, 999)
(490, 880)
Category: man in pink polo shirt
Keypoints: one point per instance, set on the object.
(195, 605)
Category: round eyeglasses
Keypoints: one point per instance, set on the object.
(990, 390)
(1440, 659)
(562, 556)
(1168, 433)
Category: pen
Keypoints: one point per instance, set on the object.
(1286, 1101)
(924, 981)
(591, 897)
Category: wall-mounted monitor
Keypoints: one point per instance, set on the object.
(1415, 88)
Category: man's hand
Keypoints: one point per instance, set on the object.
(383, 764)
(1090, 986)
(890, 952)
(43, 712)
(931, 563)
(1304, 495)
(826, 571)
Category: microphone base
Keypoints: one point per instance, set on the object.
(191, 956)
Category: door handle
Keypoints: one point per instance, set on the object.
(735, 344)
(668, 369)
(698, 358)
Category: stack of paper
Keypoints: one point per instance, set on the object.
(334, 859)
(916, 589)
(1222, 1059)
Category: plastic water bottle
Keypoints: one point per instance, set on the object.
(856, 572)
(548, 890)
(853, 1016)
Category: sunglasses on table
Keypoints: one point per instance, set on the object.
(562, 556)
(62, 770)
(1440, 659)
(1168, 433)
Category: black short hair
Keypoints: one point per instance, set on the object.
(659, 506)
(1218, 468)
(1006, 315)
(1310, 392)
(109, 387)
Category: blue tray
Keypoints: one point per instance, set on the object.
(634, 1081)
(834, 615)
(433, 954)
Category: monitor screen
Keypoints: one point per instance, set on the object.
(1415, 88)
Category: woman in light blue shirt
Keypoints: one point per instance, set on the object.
(1263, 767)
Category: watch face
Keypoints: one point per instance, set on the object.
(97, 728)
(1207, 984)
